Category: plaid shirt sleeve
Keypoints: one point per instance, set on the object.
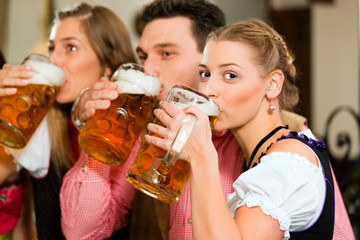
(95, 198)
(342, 228)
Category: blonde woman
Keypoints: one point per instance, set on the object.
(286, 190)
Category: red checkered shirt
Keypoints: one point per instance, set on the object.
(95, 198)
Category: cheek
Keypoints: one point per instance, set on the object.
(242, 105)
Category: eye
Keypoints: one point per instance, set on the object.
(142, 57)
(230, 75)
(167, 54)
(71, 48)
(51, 47)
(204, 74)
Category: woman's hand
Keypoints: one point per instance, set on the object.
(99, 96)
(200, 140)
(12, 76)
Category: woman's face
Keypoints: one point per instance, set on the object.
(70, 49)
(230, 77)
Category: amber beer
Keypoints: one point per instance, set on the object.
(150, 173)
(20, 114)
(110, 135)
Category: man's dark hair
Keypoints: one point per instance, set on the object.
(2, 59)
(205, 16)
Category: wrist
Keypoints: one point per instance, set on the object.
(75, 110)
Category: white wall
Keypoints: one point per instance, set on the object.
(25, 31)
(24, 21)
(335, 63)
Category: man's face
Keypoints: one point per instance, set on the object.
(168, 49)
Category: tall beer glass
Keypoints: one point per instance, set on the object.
(110, 135)
(20, 114)
(161, 174)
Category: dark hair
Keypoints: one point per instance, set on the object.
(204, 16)
(2, 59)
(107, 34)
(271, 52)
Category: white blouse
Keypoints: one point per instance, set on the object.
(285, 186)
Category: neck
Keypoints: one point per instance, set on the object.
(250, 134)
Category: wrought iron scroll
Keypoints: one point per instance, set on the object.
(346, 167)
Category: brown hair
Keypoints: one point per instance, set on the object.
(111, 42)
(107, 34)
(204, 16)
(271, 53)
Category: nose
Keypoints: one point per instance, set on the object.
(151, 66)
(209, 88)
(55, 58)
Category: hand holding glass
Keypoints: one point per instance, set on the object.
(110, 134)
(161, 174)
(21, 114)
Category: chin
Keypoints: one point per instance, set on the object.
(63, 99)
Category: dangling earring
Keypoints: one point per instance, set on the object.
(272, 106)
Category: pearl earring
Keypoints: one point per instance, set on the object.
(272, 106)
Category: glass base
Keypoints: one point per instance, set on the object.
(102, 150)
(152, 188)
(11, 136)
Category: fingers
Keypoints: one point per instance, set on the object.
(98, 97)
(7, 91)
(159, 142)
(169, 115)
(103, 90)
(15, 75)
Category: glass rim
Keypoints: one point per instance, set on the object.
(196, 92)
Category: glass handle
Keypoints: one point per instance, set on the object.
(180, 140)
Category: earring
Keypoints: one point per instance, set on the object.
(272, 107)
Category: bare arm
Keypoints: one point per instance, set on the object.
(7, 165)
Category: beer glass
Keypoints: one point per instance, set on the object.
(110, 134)
(20, 114)
(161, 174)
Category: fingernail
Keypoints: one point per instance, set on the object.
(29, 73)
(12, 90)
(27, 67)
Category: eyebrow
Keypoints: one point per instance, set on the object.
(222, 65)
(64, 39)
(160, 45)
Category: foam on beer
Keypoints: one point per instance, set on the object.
(206, 106)
(46, 73)
(136, 82)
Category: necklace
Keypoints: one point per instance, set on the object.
(269, 135)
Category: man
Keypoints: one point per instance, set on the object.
(171, 46)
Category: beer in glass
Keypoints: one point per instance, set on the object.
(110, 134)
(20, 114)
(161, 174)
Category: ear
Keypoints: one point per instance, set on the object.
(275, 83)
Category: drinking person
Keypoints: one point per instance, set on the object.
(169, 52)
(286, 189)
(87, 42)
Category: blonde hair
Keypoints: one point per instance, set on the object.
(111, 43)
(271, 52)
